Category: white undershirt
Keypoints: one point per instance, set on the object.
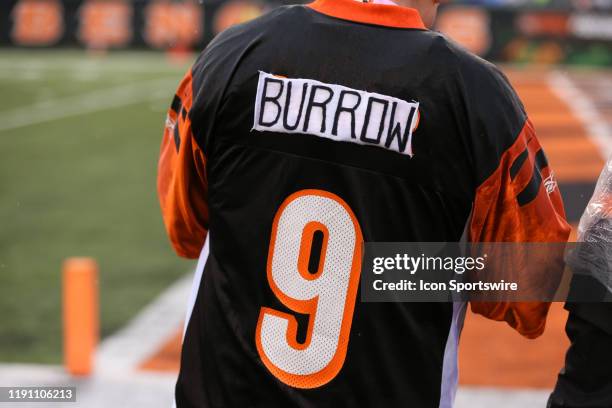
(387, 2)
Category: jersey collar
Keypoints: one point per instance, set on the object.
(370, 13)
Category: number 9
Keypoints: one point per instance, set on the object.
(326, 296)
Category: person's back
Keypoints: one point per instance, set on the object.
(300, 135)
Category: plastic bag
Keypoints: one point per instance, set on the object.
(596, 222)
(593, 259)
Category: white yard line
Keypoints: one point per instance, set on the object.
(584, 108)
(15, 375)
(101, 390)
(89, 102)
(144, 335)
(487, 397)
(84, 63)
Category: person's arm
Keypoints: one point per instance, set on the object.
(519, 202)
(187, 145)
(517, 198)
(586, 379)
(181, 182)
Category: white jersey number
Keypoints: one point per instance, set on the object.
(327, 295)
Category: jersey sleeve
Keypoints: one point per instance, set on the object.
(181, 181)
(517, 198)
(519, 202)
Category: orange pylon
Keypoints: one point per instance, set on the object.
(80, 314)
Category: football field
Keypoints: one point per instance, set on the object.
(79, 136)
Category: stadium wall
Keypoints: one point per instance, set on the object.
(504, 31)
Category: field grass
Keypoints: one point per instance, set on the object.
(79, 139)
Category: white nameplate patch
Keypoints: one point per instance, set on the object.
(334, 112)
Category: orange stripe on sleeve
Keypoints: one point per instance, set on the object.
(181, 182)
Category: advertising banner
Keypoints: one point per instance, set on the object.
(118, 24)
(541, 36)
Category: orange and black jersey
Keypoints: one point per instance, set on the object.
(298, 136)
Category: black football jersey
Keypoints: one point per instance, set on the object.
(298, 136)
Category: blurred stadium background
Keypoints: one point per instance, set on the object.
(85, 85)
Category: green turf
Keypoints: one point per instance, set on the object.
(82, 185)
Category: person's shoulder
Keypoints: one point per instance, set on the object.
(271, 22)
(481, 80)
(468, 65)
(230, 45)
